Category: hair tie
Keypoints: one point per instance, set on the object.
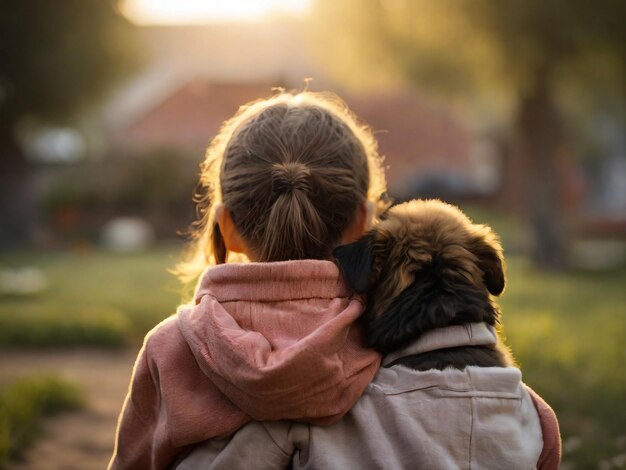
(290, 177)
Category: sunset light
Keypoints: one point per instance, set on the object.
(146, 12)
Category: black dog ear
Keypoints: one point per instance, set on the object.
(491, 262)
(355, 261)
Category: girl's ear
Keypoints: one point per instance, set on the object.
(361, 222)
(226, 226)
(355, 261)
(219, 248)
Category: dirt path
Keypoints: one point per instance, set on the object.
(78, 440)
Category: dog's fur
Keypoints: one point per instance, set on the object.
(426, 266)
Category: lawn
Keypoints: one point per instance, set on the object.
(567, 331)
(92, 297)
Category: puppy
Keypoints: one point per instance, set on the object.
(427, 266)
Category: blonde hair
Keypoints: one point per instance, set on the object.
(292, 170)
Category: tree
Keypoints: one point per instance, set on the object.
(56, 59)
(520, 57)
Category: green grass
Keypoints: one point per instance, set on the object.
(23, 405)
(96, 298)
(568, 331)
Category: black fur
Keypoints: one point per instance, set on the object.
(425, 305)
(355, 261)
(491, 265)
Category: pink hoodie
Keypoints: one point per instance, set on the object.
(264, 341)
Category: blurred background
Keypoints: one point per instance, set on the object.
(516, 111)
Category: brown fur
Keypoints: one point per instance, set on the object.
(427, 266)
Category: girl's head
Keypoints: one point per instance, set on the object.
(284, 179)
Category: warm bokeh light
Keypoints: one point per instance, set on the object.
(209, 11)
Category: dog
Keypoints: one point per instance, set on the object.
(427, 266)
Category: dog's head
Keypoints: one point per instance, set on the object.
(424, 266)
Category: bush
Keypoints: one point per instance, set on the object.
(156, 185)
(23, 405)
(93, 298)
(97, 325)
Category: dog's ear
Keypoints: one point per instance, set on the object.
(355, 261)
(491, 262)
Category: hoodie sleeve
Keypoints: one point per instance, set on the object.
(141, 439)
(170, 405)
(550, 456)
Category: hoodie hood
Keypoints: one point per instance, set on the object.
(279, 339)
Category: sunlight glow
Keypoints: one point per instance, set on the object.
(146, 12)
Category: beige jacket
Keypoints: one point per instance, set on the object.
(478, 418)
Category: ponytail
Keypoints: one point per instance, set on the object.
(294, 227)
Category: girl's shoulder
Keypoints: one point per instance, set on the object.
(164, 342)
(164, 328)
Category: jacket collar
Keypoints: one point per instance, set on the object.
(272, 282)
(469, 334)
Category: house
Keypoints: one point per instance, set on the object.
(190, 116)
(195, 77)
(422, 142)
(429, 150)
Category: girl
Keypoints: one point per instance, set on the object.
(285, 181)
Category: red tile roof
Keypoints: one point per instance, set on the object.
(192, 115)
(416, 136)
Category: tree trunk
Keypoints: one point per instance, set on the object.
(16, 208)
(540, 131)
